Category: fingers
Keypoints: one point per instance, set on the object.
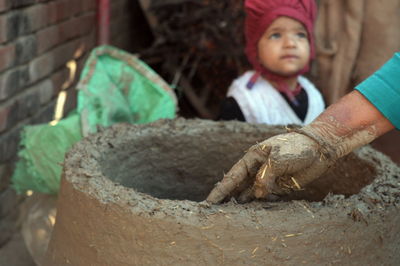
(293, 158)
(266, 183)
(247, 195)
(265, 180)
(311, 173)
(241, 173)
(296, 170)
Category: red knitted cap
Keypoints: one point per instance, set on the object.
(261, 13)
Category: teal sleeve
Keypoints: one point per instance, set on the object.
(382, 89)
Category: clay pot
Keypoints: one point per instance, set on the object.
(132, 195)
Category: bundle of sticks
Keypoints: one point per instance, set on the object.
(198, 47)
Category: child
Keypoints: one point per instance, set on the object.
(280, 47)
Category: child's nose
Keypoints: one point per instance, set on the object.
(289, 41)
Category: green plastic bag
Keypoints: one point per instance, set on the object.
(115, 86)
(44, 146)
(139, 95)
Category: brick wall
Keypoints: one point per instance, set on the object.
(37, 39)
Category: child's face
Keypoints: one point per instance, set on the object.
(284, 48)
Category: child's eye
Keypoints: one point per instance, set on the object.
(302, 35)
(275, 36)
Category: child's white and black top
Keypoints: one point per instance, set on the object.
(263, 104)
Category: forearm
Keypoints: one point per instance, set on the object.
(348, 124)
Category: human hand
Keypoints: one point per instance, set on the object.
(276, 166)
(290, 161)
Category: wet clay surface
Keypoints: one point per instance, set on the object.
(131, 195)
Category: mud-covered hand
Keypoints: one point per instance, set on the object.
(277, 165)
(290, 161)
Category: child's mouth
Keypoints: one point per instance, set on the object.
(289, 57)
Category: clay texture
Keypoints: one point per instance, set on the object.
(132, 195)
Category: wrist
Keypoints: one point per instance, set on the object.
(337, 139)
(325, 144)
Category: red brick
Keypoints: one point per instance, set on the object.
(77, 7)
(5, 5)
(63, 10)
(89, 5)
(69, 29)
(87, 23)
(4, 112)
(28, 104)
(21, 3)
(45, 91)
(8, 116)
(25, 49)
(53, 36)
(64, 53)
(41, 66)
(51, 13)
(47, 38)
(8, 147)
(58, 79)
(57, 11)
(12, 81)
(37, 16)
(81, 48)
(3, 28)
(7, 56)
(5, 174)
(77, 26)
(57, 58)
